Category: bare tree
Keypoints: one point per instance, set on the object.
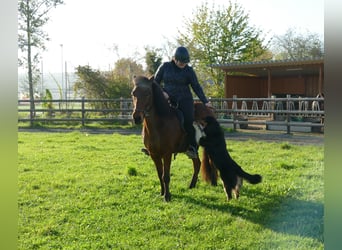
(32, 16)
(295, 45)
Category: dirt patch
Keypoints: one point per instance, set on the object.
(277, 136)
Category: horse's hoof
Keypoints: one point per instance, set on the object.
(214, 183)
(167, 198)
(192, 184)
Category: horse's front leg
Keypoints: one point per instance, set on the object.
(166, 176)
(197, 165)
(159, 166)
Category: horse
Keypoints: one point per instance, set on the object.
(163, 134)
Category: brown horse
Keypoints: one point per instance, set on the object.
(163, 134)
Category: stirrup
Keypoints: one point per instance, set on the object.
(192, 152)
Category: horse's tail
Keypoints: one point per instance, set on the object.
(208, 170)
(251, 178)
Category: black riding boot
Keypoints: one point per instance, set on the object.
(193, 147)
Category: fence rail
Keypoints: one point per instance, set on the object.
(291, 112)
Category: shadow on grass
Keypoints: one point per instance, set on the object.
(281, 214)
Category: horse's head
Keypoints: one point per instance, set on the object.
(142, 98)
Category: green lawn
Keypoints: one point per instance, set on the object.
(86, 191)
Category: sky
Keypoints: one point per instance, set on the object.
(84, 32)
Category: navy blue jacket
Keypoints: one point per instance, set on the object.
(177, 81)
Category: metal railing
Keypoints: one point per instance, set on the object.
(289, 111)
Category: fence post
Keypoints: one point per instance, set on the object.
(234, 111)
(288, 130)
(121, 106)
(83, 111)
(272, 106)
(32, 110)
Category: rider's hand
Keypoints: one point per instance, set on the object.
(208, 105)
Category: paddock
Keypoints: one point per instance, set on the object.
(80, 190)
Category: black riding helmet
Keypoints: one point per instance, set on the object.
(181, 54)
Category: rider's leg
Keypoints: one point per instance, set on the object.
(187, 107)
(193, 147)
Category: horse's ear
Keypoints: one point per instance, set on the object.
(151, 78)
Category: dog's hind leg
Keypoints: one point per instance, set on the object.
(227, 189)
(238, 187)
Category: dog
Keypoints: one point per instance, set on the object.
(230, 172)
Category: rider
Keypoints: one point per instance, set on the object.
(177, 77)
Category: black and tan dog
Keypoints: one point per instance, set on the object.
(215, 146)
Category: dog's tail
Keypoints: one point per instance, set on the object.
(251, 178)
(208, 170)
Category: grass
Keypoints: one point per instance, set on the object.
(86, 191)
(78, 125)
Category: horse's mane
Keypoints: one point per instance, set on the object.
(161, 105)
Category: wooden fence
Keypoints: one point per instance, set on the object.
(275, 113)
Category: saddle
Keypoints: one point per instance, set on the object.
(180, 116)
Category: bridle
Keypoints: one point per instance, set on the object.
(146, 111)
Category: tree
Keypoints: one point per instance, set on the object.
(94, 84)
(91, 83)
(295, 45)
(153, 59)
(117, 83)
(218, 36)
(33, 15)
(127, 68)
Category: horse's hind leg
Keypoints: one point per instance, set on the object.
(197, 165)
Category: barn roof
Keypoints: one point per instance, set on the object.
(277, 67)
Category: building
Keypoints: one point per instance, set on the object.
(302, 77)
